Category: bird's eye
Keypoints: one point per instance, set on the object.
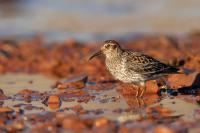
(107, 46)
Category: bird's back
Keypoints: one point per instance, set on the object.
(145, 66)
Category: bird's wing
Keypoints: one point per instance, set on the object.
(145, 65)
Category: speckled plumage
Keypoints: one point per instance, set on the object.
(133, 67)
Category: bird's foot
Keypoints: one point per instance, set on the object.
(140, 102)
(139, 96)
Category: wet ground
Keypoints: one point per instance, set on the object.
(48, 87)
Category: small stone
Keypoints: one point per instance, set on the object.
(6, 110)
(2, 122)
(163, 129)
(2, 95)
(152, 87)
(72, 122)
(25, 92)
(28, 95)
(100, 121)
(19, 125)
(179, 80)
(54, 102)
(54, 99)
(76, 82)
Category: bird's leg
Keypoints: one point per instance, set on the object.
(164, 87)
(137, 92)
(166, 84)
(143, 102)
(138, 102)
(143, 91)
(143, 86)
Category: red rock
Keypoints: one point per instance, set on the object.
(6, 110)
(72, 122)
(163, 129)
(123, 129)
(2, 122)
(158, 112)
(105, 128)
(127, 89)
(18, 125)
(100, 121)
(60, 117)
(54, 99)
(180, 80)
(152, 87)
(2, 69)
(130, 89)
(2, 95)
(54, 102)
(77, 82)
(137, 130)
(44, 128)
(54, 106)
(25, 92)
(193, 62)
(28, 95)
(79, 109)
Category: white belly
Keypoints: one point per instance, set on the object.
(120, 73)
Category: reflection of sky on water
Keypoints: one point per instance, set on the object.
(87, 19)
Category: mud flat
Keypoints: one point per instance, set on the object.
(54, 88)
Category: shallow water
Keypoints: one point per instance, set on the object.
(103, 102)
(13, 83)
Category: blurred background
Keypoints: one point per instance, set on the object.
(91, 20)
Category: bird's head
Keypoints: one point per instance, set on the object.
(110, 48)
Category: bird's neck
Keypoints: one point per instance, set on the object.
(115, 55)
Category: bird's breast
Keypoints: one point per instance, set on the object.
(114, 66)
(118, 69)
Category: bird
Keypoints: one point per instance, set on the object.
(133, 67)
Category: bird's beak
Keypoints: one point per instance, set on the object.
(95, 54)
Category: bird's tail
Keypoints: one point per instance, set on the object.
(181, 71)
(174, 70)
